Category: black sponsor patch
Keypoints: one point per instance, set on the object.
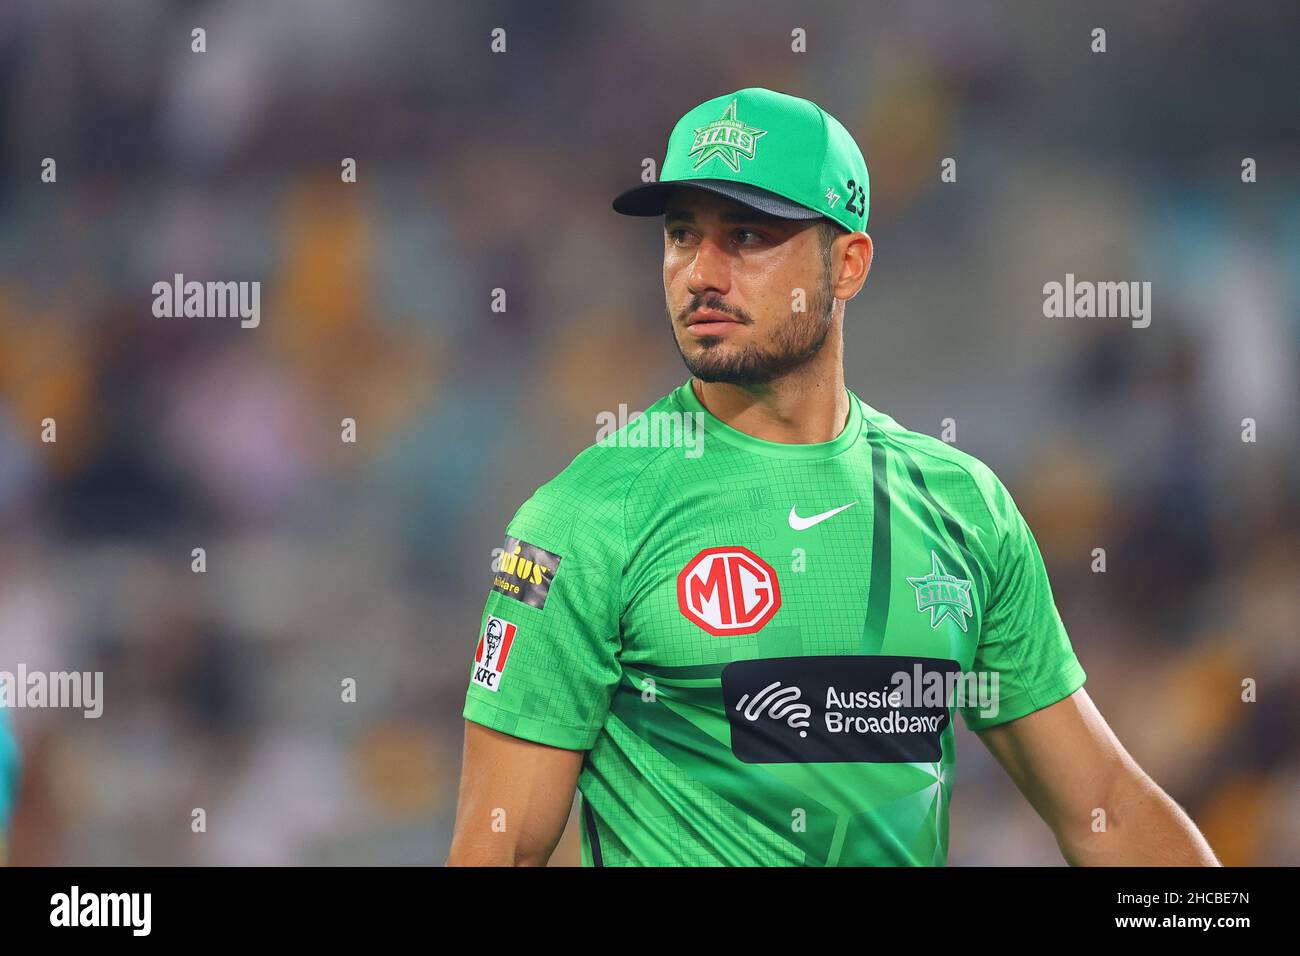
(837, 709)
(526, 572)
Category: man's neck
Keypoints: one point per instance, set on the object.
(802, 408)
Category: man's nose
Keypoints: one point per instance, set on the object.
(710, 270)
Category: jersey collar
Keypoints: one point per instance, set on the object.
(815, 451)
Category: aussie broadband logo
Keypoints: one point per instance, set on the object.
(728, 591)
(492, 653)
(841, 709)
(777, 703)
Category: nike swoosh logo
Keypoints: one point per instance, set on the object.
(803, 524)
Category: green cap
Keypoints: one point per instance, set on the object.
(782, 154)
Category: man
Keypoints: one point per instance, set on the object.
(727, 652)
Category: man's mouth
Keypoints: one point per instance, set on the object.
(711, 322)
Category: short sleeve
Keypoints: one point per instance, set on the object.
(546, 658)
(1023, 639)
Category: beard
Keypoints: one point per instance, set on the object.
(793, 344)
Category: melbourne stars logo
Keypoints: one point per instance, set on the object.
(727, 138)
(942, 594)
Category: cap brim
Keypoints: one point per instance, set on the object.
(652, 198)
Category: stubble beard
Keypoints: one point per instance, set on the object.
(794, 343)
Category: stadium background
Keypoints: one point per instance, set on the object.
(479, 171)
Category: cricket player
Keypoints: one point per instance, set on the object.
(742, 625)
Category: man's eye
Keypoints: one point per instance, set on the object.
(741, 235)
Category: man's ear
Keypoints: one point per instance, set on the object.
(854, 257)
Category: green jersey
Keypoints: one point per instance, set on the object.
(762, 645)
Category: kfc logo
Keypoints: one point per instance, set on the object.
(492, 652)
(728, 591)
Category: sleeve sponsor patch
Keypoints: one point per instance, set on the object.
(524, 572)
(492, 653)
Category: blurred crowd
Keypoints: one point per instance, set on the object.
(328, 560)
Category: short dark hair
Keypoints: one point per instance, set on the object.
(827, 231)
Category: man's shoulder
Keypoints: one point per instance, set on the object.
(940, 468)
(587, 495)
(626, 444)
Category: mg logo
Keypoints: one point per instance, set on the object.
(728, 591)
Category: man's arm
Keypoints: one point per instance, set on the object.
(515, 797)
(1068, 763)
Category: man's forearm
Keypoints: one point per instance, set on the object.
(486, 835)
(1141, 826)
(493, 854)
